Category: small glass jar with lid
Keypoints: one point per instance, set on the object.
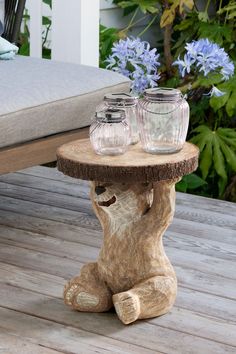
(127, 102)
(110, 132)
(163, 120)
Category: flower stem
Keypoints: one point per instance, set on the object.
(207, 6)
(220, 5)
(188, 86)
(130, 24)
(147, 27)
(139, 20)
(226, 17)
(195, 5)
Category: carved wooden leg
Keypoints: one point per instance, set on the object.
(132, 265)
(87, 292)
(151, 298)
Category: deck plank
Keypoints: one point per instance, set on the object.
(187, 278)
(12, 344)
(108, 326)
(201, 301)
(54, 174)
(84, 253)
(80, 189)
(186, 320)
(48, 231)
(61, 337)
(182, 257)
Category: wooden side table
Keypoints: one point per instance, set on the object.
(133, 196)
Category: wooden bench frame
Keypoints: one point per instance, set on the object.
(36, 152)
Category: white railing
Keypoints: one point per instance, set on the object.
(75, 30)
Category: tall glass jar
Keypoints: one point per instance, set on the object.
(110, 132)
(127, 102)
(163, 120)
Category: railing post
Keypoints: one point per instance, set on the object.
(75, 31)
(35, 12)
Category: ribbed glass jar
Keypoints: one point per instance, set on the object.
(130, 104)
(163, 120)
(110, 132)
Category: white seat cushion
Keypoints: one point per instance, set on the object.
(42, 97)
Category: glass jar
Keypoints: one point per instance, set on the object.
(127, 102)
(110, 132)
(163, 120)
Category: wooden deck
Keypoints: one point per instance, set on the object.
(47, 232)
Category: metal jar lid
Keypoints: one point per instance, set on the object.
(110, 115)
(163, 94)
(120, 99)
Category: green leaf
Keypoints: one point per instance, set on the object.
(185, 24)
(46, 21)
(229, 88)
(219, 164)
(190, 182)
(46, 53)
(181, 186)
(229, 154)
(48, 2)
(232, 15)
(129, 10)
(217, 153)
(210, 79)
(206, 160)
(194, 181)
(228, 136)
(218, 102)
(144, 5)
(167, 17)
(203, 16)
(231, 104)
(185, 4)
(215, 32)
(24, 49)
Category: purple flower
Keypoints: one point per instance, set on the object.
(216, 92)
(206, 57)
(185, 64)
(134, 59)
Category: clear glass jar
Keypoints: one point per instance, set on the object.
(130, 104)
(110, 132)
(163, 120)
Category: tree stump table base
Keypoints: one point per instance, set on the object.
(132, 272)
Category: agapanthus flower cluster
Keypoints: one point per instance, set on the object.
(134, 59)
(206, 57)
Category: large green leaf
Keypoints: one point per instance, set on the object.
(231, 103)
(229, 154)
(190, 182)
(107, 37)
(228, 99)
(228, 135)
(210, 79)
(219, 102)
(206, 160)
(215, 32)
(185, 24)
(144, 5)
(219, 164)
(217, 152)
